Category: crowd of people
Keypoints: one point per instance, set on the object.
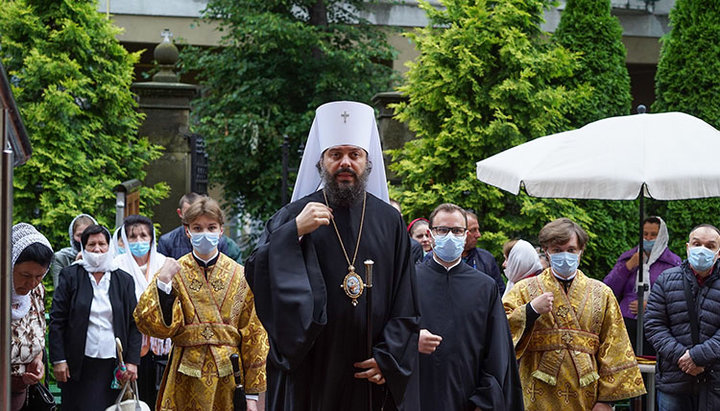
(342, 306)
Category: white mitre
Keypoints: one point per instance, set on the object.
(337, 124)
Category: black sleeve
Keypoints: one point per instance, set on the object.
(290, 295)
(134, 336)
(397, 352)
(499, 386)
(166, 304)
(531, 316)
(59, 314)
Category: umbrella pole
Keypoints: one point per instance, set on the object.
(641, 286)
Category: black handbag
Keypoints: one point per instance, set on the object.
(39, 398)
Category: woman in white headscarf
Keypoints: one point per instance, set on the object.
(143, 261)
(68, 255)
(116, 242)
(521, 261)
(657, 258)
(31, 257)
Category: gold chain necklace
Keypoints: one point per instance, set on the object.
(352, 283)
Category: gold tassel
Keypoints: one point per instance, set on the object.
(544, 377)
(589, 379)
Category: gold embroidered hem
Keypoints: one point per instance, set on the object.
(579, 353)
(212, 318)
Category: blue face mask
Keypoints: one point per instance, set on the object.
(449, 247)
(701, 258)
(204, 243)
(140, 248)
(648, 245)
(121, 250)
(564, 264)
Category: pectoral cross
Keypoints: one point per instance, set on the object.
(345, 116)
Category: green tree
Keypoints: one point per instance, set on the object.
(277, 61)
(686, 78)
(588, 28)
(686, 81)
(487, 79)
(71, 79)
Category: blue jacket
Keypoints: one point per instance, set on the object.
(175, 244)
(483, 261)
(667, 328)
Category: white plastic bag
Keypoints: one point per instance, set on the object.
(131, 404)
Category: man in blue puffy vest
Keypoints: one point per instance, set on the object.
(682, 322)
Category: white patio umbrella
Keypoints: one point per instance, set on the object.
(666, 156)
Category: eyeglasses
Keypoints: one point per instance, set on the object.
(442, 230)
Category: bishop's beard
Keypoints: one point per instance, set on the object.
(345, 194)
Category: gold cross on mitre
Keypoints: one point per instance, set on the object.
(345, 116)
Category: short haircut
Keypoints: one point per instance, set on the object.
(205, 206)
(560, 231)
(652, 220)
(189, 198)
(37, 253)
(473, 215)
(83, 219)
(92, 230)
(447, 208)
(508, 246)
(133, 220)
(709, 226)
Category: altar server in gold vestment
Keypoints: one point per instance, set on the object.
(569, 334)
(202, 301)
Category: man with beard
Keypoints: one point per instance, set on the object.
(307, 275)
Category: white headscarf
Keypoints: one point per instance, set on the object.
(22, 236)
(107, 263)
(658, 249)
(336, 124)
(522, 261)
(72, 226)
(127, 263)
(114, 244)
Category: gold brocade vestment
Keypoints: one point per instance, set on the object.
(212, 318)
(577, 354)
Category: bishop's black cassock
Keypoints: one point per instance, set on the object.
(315, 333)
(474, 365)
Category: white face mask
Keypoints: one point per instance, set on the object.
(97, 262)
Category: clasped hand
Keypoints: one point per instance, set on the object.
(372, 371)
(312, 217)
(428, 342)
(687, 365)
(168, 270)
(34, 371)
(543, 303)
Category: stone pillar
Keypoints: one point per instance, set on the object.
(166, 104)
(393, 133)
